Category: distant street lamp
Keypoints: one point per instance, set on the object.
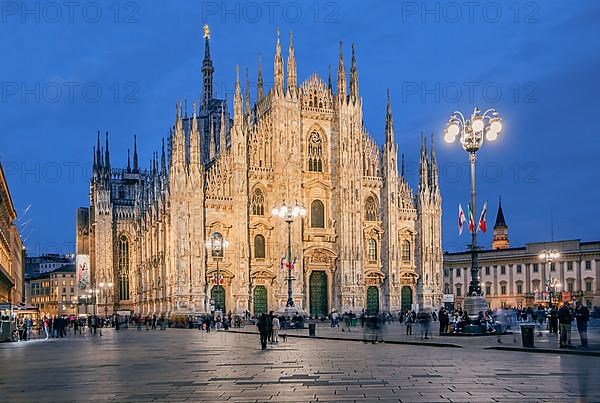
(289, 212)
(105, 286)
(471, 133)
(216, 244)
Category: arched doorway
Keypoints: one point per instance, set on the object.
(318, 293)
(217, 293)
(260, 300)
(406, 298)
(372, 300)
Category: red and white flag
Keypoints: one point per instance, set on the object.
(482, 224)
(461, 219)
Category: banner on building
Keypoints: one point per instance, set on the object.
(83, 270)
(448, 298)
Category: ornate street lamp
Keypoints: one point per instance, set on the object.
(289, 212)
(471, 134)
(549, 256)
(104, 287)
(216, 244)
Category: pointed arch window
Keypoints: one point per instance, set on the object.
(123, 267)
(317, 214)
(315, 152)
(258, 202)
(372, 250)
(406, 251)
(371, 209)
(259, 247)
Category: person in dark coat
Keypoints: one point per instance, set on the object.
(553, 320)
(444, 320)
(582, 316)
(263, 329)
(565, 317)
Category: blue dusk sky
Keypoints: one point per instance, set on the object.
(69, 71)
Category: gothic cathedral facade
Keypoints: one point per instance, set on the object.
(366, 242)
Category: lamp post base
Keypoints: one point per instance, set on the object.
(475, 304)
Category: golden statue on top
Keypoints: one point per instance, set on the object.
(206, 32)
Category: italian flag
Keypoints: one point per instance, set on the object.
(461, 219)
(471, 219)
(482, 224)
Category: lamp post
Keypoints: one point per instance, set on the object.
(216, 244)
(93, 294)
(105, 286)
(289, 212)
(471, 134)
(549, 256)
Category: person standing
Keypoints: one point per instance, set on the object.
(275, 330)
(263, 329)
(553, 320)
(270, 327)
(565, 317)
(582, 316)
(46, 327)
(443, 316)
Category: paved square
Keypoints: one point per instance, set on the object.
(180, 365)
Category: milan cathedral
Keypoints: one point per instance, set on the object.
(367, 241)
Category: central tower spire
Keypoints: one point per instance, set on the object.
(207, 69)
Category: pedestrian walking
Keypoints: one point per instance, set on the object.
(424, 318)
(263, 329)
(409, 320)
(582, 316)
(275, 329)
(565, 317)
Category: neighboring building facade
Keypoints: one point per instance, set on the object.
(366, 243)
(47, 263)
(54, 292)
(11, 249)
(517, 277)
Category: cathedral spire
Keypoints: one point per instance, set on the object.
(389, 121)
(434, 168)
(128, 162)
(98, 154)
(207, 70)
(341, 78)
(291, 67)
(247, 94)
(163, 155)
(500, 240)
(278, 67)
(223, 133)
(107, 156)
(329, 85)
(135, 155)
(237, 100)
(353, 77)
(423, 166)
(179, 139)
(194, 140)
(259, 81)
(212, 146)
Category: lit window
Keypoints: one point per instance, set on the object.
(259, 247)
(372, 250)
(406, 251)
(458, 291)
(519, 289)
(123, 268)
(503, 289)
(588, 286)
(317, 214)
